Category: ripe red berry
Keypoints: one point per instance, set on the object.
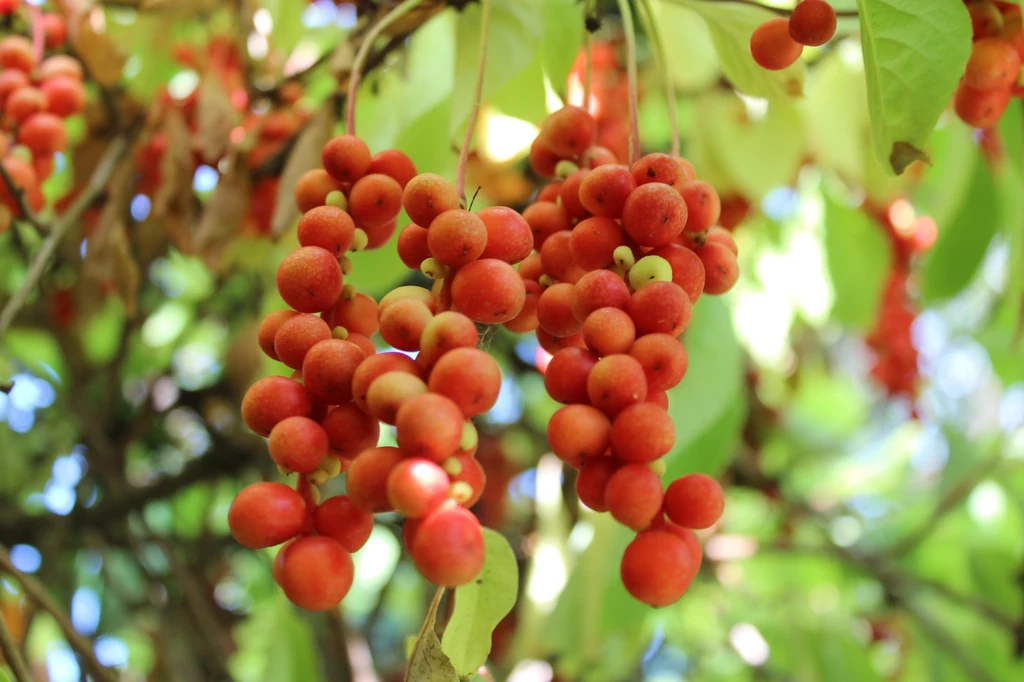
(429, 426)
(577, 433)
(357, 315)
(656, 168)
(470, 377)
(566, 375)
(605, 189)
(298, 444)
(687, 268)
(346, 158)
(488, 291)
(395, 164)
(271, 400)
(542, 158)
(390, 391)
(416, 487)
(296, 336)
(55, 30)
(556, 257)
(457, 238)
(328, 369)
(980, 108)
(772, 47)
(654, 214)
(268, 330)
(471, 473)
(660, 308)
(657, 568)
(16, 53)
(569, 195)
(607, 331)
(448, 548)
(703, 206)
(266, 514)
(402, 323)
(599, 289)
(412, 246)
(663, 359)
(367, 478)
(592, 481)
(445, 332)
(813, 23)
(375, 200)
(509, 236)
(427, 196)
(694, 501)
(721, 270)
(328, 227)
(526, 321)
(545, 219)
(316, 573)
(375, 366)
(59, 65)
(11, 80)
(633, 495)
(994, 65)
(339, 519)
(555, 313)
(44, 134)
(594, 240)
(350, 430)
(65, 95)
(986, 20)
(569, 131)
(642, 433)
(309, 279)
(616, 382)
(312, 188)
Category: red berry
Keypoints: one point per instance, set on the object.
(660, 308)
(569, 195)
(448, 548)
(445, 332)
(605, 189)
(316, 573)
(271, 400)
(577, 433)
(488, 291)
(657, 568)
(471, 473)
(616, 382)
(654, 214)
(367, 478)
(994, 65)
(509, 236)
(375, 366)
(346, 158)
(663, 359)
(429, 426)
(358, 315)
(328, 227)
(687, 268)
(633, 496)
(642, 433)
(772, 47)
(350, 430)
(599, 289)
(980, 108)
(309, 279)
(592, 481)
(694, 501)
(656, 168)
(813, 23)
(268, 330)
(16, 53)
(44, 134)
(266, 514)
(703, 207)
(296, 336)
(412, 246)
(545, 219)
(569, 131)
(566, 375)
(65, 95)
(457, 238)
(416, 487)
(427, 196)
(721, 270)
(312, 188)
(394, 164)
(402, 323)
(555, 313)
(339, 519)
(542, 158)
(556, 257)
(593, 242)
(607, 331)
(298, 444)
(55, 30)
(470, 377)
(328, 369)
(390, 391)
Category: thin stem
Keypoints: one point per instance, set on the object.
(588, 46)
(842, 14)
(104, 169)
(661, 61)
(364, 51)
(38, 32)
(474, 113)
(37, 593)
(12, 654)
(634, 122)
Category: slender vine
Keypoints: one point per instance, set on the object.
(364, 52)
(474, 113)
(634, 122)
(588, 46)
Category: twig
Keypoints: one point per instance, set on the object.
(104, 169)
(474, 112)
(21, 198)
(634, 119)
(661, 61)
(37, 593)
(12, 654)
(950, 501)
(364, 50)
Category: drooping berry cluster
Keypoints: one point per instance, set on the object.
(36, 94)
(992, 76)
(325, 419)
(623, 254)
(779, 42)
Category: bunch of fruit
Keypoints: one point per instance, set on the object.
(992, 76)
(37, 92)
(624, 253)
(325, 419)
(779, 42)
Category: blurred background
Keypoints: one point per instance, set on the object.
(860, 393)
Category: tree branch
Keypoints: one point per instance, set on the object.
(37, 593)
(12, 654)
(104, 169)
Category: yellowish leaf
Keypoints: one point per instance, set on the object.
(305, 156)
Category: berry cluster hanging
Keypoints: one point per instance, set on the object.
(992, 76)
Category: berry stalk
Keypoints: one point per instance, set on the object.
(661, 61)
(460, 173)
(364, 51)
(588, 7)
(634, 122)
(38, 31)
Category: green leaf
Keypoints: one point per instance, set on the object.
(961, 244)
(563, 36)
(689, 51)
(275, 643)
(480, 605)
(709, 452)
(427, 661)
(914, 55)
(859, 257)
(514, 37)
(715, 375)
(37, 349)
(101, 333)
(730, 25)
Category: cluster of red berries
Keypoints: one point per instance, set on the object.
(896, 366)
(779, 42)
(992, 76)
(325, 419)
(36, 94)
(623, 254)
